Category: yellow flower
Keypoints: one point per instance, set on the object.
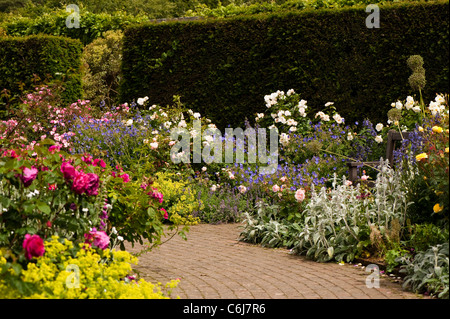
(420, 129)
(437, 129)
(438, 208)
(446, 150)
(421, 156)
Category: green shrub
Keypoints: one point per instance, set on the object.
(328, 55)
(50, 58)
(92, 25)
(101, 60)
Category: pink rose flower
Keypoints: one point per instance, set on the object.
(68, 171)
(97, 238)
(276, 188)
(85, 183)
(300, 195)
(29, 175)
(166, 214)
(125, 177)
(92, 184)
(33, 245)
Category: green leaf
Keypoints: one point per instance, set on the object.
(43, 207)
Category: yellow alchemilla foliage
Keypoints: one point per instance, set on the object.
(179, 198)
(100, 276)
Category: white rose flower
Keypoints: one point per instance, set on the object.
(129, 122)
(378, 139)
(349, 136)
(379, 127)
(196, 115)
(141, 101)
(329, 103)
(290, 92)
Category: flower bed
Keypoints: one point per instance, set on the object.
(85, 179)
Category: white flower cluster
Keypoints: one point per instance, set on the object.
(438, 105)
(272, 99)
(302, 107)
(142, 100)
(409, 105)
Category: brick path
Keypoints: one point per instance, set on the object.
(213, 264)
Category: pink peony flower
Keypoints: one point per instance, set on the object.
(33, 245)
(300, 195)
(68, 171)
(29, 175)
(97, 238)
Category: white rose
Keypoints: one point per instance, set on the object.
(379, 127)
(378, 139)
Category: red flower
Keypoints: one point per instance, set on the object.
(52, 187)
(33, 245)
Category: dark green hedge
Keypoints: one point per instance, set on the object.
(223, 68)
(49, 57)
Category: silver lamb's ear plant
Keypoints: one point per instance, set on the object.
(338, 218)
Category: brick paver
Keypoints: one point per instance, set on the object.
(213, 264)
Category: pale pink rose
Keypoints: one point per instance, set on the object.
(300, 195)
(275, 188)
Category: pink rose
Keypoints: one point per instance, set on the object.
(33, 245)
(68, 170)
(166, 214)
(85, 183)
(125, 177)
(276, 188)
(92, 184)
(79, 182)
(300, 195)
(99, 162)
(29, 175)
(97, 238)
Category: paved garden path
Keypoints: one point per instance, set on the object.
(213, 264)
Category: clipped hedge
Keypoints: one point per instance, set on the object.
(49, 57)
(223, 68)
(91, 25)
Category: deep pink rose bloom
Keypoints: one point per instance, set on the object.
(166, 214)
(29, 175)
(125, 177)
(68, 170)
(99, 162)
(92, 184)
(33, 245)
(79, 183)
(85, 183)
(97, 238)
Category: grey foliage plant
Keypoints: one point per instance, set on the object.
(338, 220)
